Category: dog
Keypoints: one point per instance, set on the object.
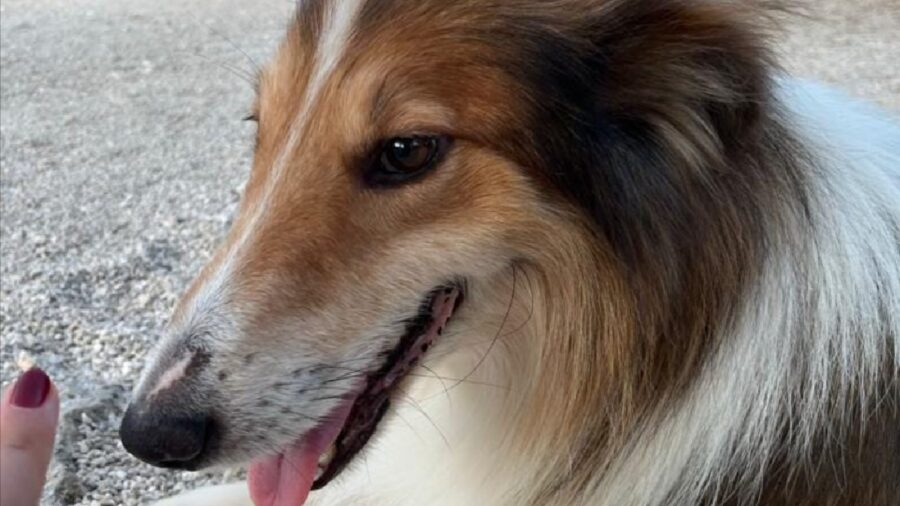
(569, 252)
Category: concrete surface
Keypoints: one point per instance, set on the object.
(121, 155)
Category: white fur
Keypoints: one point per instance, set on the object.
(233, 494)
(813, 306)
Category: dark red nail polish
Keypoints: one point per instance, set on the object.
(31, 389)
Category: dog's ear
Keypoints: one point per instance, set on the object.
(694, 71)
(637, 106)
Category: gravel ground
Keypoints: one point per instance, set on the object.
(121, 157)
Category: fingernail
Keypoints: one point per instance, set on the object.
(31, 389)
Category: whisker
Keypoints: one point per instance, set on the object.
(512, 298)
(412, 402)
(328, 397)
(460, 380)
(315, 419)
(443, 383)
(215, 31)
(291, 463)
(318, 388)
(413, 429)
(241, 74)
(344, 377)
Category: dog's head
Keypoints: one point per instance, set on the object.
(409, 154)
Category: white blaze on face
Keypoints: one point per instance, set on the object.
(337, 27)
(172, 375)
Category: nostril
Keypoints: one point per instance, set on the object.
(172, 440)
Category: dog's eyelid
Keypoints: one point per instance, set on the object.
(386, 169)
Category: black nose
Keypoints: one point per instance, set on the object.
(165, 439)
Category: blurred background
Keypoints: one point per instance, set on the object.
(122, 156)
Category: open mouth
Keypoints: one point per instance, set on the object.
(325, 451)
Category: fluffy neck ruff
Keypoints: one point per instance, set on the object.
(735, 371)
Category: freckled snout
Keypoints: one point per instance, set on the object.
(166, 436)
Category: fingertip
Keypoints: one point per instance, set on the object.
(28, 422)
(30, 407)
(31, 389)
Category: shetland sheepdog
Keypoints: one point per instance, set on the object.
(569, 252)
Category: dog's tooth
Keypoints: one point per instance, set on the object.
(326, 456)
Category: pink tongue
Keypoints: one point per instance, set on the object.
(284, 480)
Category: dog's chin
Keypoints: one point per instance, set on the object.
(325, 451)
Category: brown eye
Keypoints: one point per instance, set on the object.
(403, 158)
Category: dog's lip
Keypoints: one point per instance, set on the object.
(372, 402)
(354, 420)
